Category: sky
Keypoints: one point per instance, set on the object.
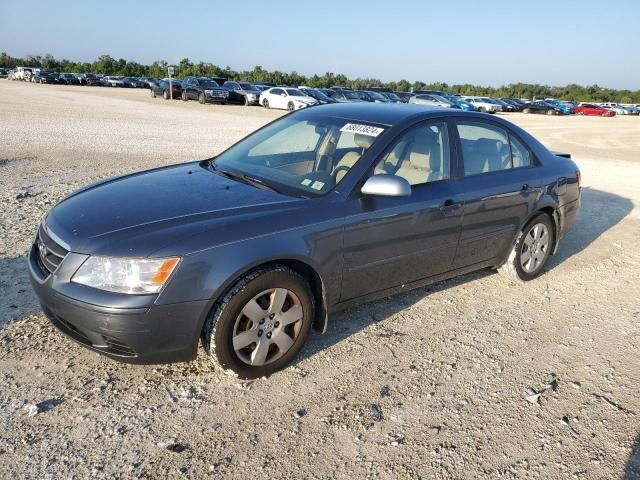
(488, 42)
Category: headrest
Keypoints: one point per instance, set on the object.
(363, 141)
(487, 146)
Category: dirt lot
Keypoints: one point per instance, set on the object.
(429, 384)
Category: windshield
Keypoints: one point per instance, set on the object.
(208, 83)
(294, 92)
(296, 156)
(248, 86)
(350, 95)
(442, 100)
(377, 96)
(392, 96)
(320, 95)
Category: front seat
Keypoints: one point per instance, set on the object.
(349, 159)
(421, 162)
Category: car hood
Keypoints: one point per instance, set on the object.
(161, 211)
(304, 99)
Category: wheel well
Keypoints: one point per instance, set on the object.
(310, 275)
(317, 288)
(553, 214)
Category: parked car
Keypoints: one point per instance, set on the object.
(44, 77)
(387, 92)
(343, 95)
(4, 72)
(619, 109)
(133, 82)
(318, 94)
(68, 79)
(593, 109)
(203, 89)
(162, 88)
(250, 250)
(286, 98)
(371, 96)
(517, 106)
(433, 100)
(242, 92)
(23, 73)
(91, 80)
(566, 109)
(404, 96)
(540, 106)
(506, 106)
(148, 81)
(483, 104)
(115, 81)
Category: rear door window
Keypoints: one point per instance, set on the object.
(485, 148)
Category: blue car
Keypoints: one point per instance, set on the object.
(320, 210)
(567, 109)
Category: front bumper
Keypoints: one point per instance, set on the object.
(134, 330)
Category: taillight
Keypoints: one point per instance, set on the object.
(578, 177)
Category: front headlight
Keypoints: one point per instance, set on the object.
(136, 276)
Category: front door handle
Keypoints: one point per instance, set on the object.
(450, 207)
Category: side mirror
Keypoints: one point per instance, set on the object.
(386, 186)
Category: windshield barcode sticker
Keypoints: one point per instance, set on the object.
(362, 129)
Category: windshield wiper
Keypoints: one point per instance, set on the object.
(244, 178)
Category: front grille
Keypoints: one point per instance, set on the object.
(218, 94)
(50, 253)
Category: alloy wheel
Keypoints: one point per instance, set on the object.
(535, 248)
(267, 327)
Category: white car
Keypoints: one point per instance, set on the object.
(619, 109)
(483, 104)
(286, 98)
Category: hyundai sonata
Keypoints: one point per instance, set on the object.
(322, 209)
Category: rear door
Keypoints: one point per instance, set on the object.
(391, 241)
(500, 181)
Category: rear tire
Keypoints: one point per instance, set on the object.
(184, 96)
(244, 338)
(245, 101)
(482, 109)
(531, 250)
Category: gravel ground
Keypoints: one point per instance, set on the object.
(475, 377)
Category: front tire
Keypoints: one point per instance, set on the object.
(152, 93)
(201, 98)
(525, 110)
(532, 249)
(165, 95)
(550, 112)
(291, 107)
(184, 96)
(265, 103)
(261, 324)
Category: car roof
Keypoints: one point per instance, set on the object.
(384, 113)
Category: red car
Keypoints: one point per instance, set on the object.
(591, 109)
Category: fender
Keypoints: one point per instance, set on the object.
(543, 206)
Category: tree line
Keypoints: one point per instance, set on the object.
(110, 66)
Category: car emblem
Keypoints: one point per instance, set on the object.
(42, 248)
